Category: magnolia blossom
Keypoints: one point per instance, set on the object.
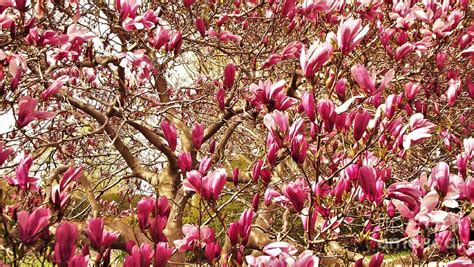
(99, 237)
(32, 225)
(195, 237)
(209, 186)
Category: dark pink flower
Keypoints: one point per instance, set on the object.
(229, 76)
(188, 3)
(201, 26)
(443, 239)
(22, 179)
(440, 177)
(64, 248)
(239, 231)
(220, 97)
(212, 251)
(169, 132)
(315, 57)
(307, 101)
(31, 225)
(185, 162)
(71, 175)
(327, 113)
(209, 187)
(197, 135)
(141, 256)
(418, 245)
(54, 87)
(157, 226)
(361, 120)
(79, 261)
(27, 112)
(367, 82)
(367, 180)
(350, 34)
(4, 154)
(296, 194)
(162, 254)
(465, 230)
(298, 148)
(99, 237)
(376, 260)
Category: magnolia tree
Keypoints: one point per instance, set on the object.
(259, 133)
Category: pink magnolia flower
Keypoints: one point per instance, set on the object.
(71, 175)
(195, 237)
(60, 195)
(315, 57)
(465, 229)
(127, 8)
(411, 89)
(224, 36)
(162, 253)
(185, 162)
(209, 187)
(296, 192)
(403, 50)
(161, 37)
(350, 34)
(220, 97)
(239, 231)
(340, 89)
(169, 132)
(418, 245)
(361, 120)
(307, 102)
(327, 113)
(141, 256)
(291, 51)
(367, 180)
(4, 153)
(79, 261)
(408, 193)
(267, 92)
(454, 90)
(443, 239)
(367, 82)
(27, 112)
(212, 251)
(307, 259)
(205, 165)
(376, 260)
(420, 129)
(277, 123)
(22, 178)
(299, 148)
(200, 26)
(440, 177)
(156, 207)
(54, 87)
(145, 21)
(279, 248)
(157, 226)
(197, 135)
(175, 43)
(229, 76)
(31, 225)
(64, 248)
(99, 237)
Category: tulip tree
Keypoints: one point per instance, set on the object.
(299, 132)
